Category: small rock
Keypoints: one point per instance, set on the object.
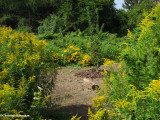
(90, 84)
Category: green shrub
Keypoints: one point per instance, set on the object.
(50, 27)
(141, 54)
(133, 91)
(21, 63)
(111, 46)
(104, 45)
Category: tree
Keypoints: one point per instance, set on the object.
(86, 15)
(136, 15)
(24, 12)
(74, 14)
(103, 10)
(130, 4)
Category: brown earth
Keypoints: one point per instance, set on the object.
(71, 94)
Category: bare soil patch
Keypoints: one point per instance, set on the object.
(71, 94)
(91, 73)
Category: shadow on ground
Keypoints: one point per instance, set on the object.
(66, 112)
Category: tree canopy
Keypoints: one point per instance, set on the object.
(76, 14)
(130, 4)
(72, 15)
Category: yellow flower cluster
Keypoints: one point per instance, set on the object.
(153, 90)
(71, 54)
(108, 62)
(97, 102)
(4, 33)
(86, 60)
(105, 72)
(6, 89)
(120, 65)
(9, 98)
(111, 113)
(75, 118)
(3, 73)
(98, 116)
(151, 93)
(129, 33)
(20, 48)
(146, 25)
(56, 56)
(155, 86)
(122, 104)
(7, 92)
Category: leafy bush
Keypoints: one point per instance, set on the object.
(110, 46)
(71, 54)
(21, 62)
(141, 54)
(51, 27)
(133, 91)
(85, 60)
(92, 49)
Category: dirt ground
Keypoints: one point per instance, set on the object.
(71, 93)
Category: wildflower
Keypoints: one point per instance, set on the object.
(47, 97)
(105, 72)
(120, 65)
(145, 26)
(153, 90)
(32, 78)
(97, 102)
(71, 53)
(4, 73)
(124, 104)
(75, 117)
(98, 116)
(111, 113)
(108, 62)
(123, 75)
(86, 60)
(65, 50)
(129, 33)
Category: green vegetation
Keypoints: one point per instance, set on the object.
(134, 91)
(22, 64)
(82, 33)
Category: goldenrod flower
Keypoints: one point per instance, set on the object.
(108, 62)
(97, 102)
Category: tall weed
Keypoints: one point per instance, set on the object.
(133, 91)
(21, 62)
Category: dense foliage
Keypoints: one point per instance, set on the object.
(136, 15)
(21, 62)
(131, 4)
(66, 15)
(83, 33)
(134, 91)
